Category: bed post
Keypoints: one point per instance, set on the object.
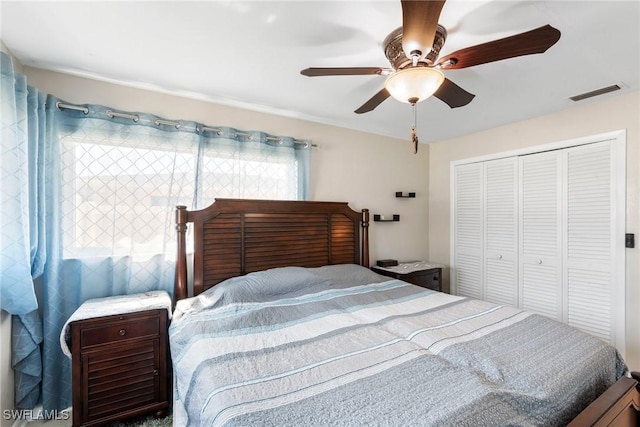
(365, 238)
(180, 287)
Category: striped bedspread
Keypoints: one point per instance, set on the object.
(343, 346)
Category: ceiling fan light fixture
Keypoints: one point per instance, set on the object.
(413, 83)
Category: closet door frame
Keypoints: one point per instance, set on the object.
(618, 140)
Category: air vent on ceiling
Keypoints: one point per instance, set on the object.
(596, 92)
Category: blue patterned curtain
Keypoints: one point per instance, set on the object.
(22, 224)
(106, 186)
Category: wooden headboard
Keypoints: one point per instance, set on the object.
(233, 237)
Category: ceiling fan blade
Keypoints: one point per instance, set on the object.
(452, 94)
(527, 43)
(374, 101)
(345, 71)
(419, 23)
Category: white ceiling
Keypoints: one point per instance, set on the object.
(250, 53)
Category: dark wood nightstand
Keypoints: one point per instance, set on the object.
(416, 272)
(120, 366)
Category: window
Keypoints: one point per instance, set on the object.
(120, 189)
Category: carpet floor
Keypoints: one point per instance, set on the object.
(144, 421)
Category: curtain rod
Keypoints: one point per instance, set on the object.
(158, 122)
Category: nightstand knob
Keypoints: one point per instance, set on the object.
(539, 261)
(122, 332)
(499, 256)
(155, 372)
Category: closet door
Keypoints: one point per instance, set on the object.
(468, 230)
(540, 232)
(501, 231)
(561, 252)
(590, 239)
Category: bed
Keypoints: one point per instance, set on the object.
(286, 325)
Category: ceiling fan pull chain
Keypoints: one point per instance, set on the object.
(414, 135)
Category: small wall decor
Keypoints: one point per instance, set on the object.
(386, 218)
(405, 195)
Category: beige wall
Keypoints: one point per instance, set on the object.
(610, 114)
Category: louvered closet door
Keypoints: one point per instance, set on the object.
(501, 231)
(566, 260)
(540, 232)
(590, 239)
(468, 229)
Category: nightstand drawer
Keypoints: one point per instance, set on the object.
(122, 330)
(428, 277)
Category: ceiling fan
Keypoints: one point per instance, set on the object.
(413, 50)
